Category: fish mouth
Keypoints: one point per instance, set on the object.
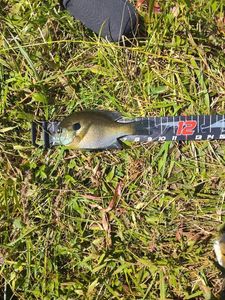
(49, 133)
(63, 138)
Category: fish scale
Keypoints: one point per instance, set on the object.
(148, 129)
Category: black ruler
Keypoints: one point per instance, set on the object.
(178, 128)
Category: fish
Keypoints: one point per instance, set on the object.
(219, 249)
(92, 130)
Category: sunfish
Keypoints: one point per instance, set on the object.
(92, 130)
(219, 248)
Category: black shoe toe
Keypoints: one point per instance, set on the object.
(112, 19)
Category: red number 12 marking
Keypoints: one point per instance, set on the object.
(186, 127)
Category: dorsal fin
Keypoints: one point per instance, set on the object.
(70, 120)
(114, 115)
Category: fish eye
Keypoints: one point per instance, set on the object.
(76, 126)
(59, 130)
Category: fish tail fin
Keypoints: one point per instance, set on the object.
(130, 128)
(137, 127)
(141, 127)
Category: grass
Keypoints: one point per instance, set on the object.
(132, 224)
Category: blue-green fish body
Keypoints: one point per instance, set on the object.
(92, 130)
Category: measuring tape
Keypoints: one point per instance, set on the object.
(149, 129)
